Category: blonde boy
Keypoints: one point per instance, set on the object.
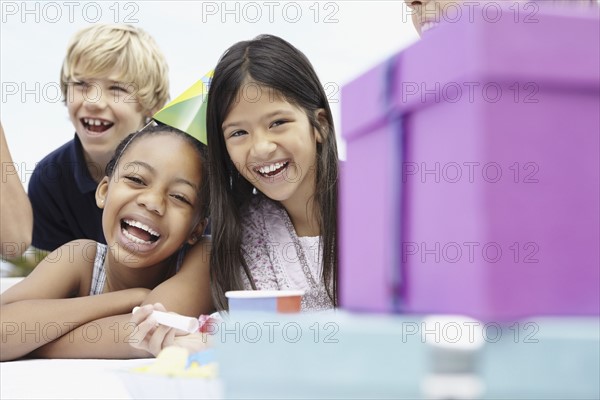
(113, 79)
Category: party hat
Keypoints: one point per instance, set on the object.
(188, 111)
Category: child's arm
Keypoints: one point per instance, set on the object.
(16, 218)
(106, 338)
(187, 293)
(44, 305)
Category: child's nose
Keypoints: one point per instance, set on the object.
(153, 201)
(94, 98)
(263, 145)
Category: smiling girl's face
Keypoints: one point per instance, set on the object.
(273, 145)
(151, 202)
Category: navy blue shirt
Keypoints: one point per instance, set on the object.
(62, 194)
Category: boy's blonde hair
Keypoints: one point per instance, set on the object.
(100, 49)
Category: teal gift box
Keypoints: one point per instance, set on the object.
(550, 358)
(324, 355)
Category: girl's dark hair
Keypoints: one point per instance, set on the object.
(161, 129)
(273, 64)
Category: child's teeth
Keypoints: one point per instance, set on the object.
(95, 122)
(133, 238)
(138, 224)
(428, 25)
(271, 168)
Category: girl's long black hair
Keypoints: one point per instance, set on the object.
(275, 64)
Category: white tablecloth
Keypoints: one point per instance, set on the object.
(65, 379)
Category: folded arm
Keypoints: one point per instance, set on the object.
(27, 325)
(187, 293)
(53, 300)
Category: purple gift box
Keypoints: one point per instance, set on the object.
(472, 177)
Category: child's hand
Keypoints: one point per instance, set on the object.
(193, 342)
(152, 337)
(148, 334)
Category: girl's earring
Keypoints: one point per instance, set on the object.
(230, 182)
(254, 191)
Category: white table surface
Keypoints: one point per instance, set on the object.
(65, 379)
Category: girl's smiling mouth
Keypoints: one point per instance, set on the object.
(138, 232)
(270, 170)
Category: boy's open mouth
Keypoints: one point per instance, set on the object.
(138, 232)
(428, 25)
(273, 169)
(96, 125)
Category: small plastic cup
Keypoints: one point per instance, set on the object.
(273, 301)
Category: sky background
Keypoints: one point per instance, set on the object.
(342, 39)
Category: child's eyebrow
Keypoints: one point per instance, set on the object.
(140, 164)
(278, 112)
(267, 116)
(153, 170)
(186, 182)
(121, 82)
(229, 125)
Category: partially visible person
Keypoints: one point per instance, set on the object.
(427, 14)
(154, 199)
(113, 79)
(16, 217)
